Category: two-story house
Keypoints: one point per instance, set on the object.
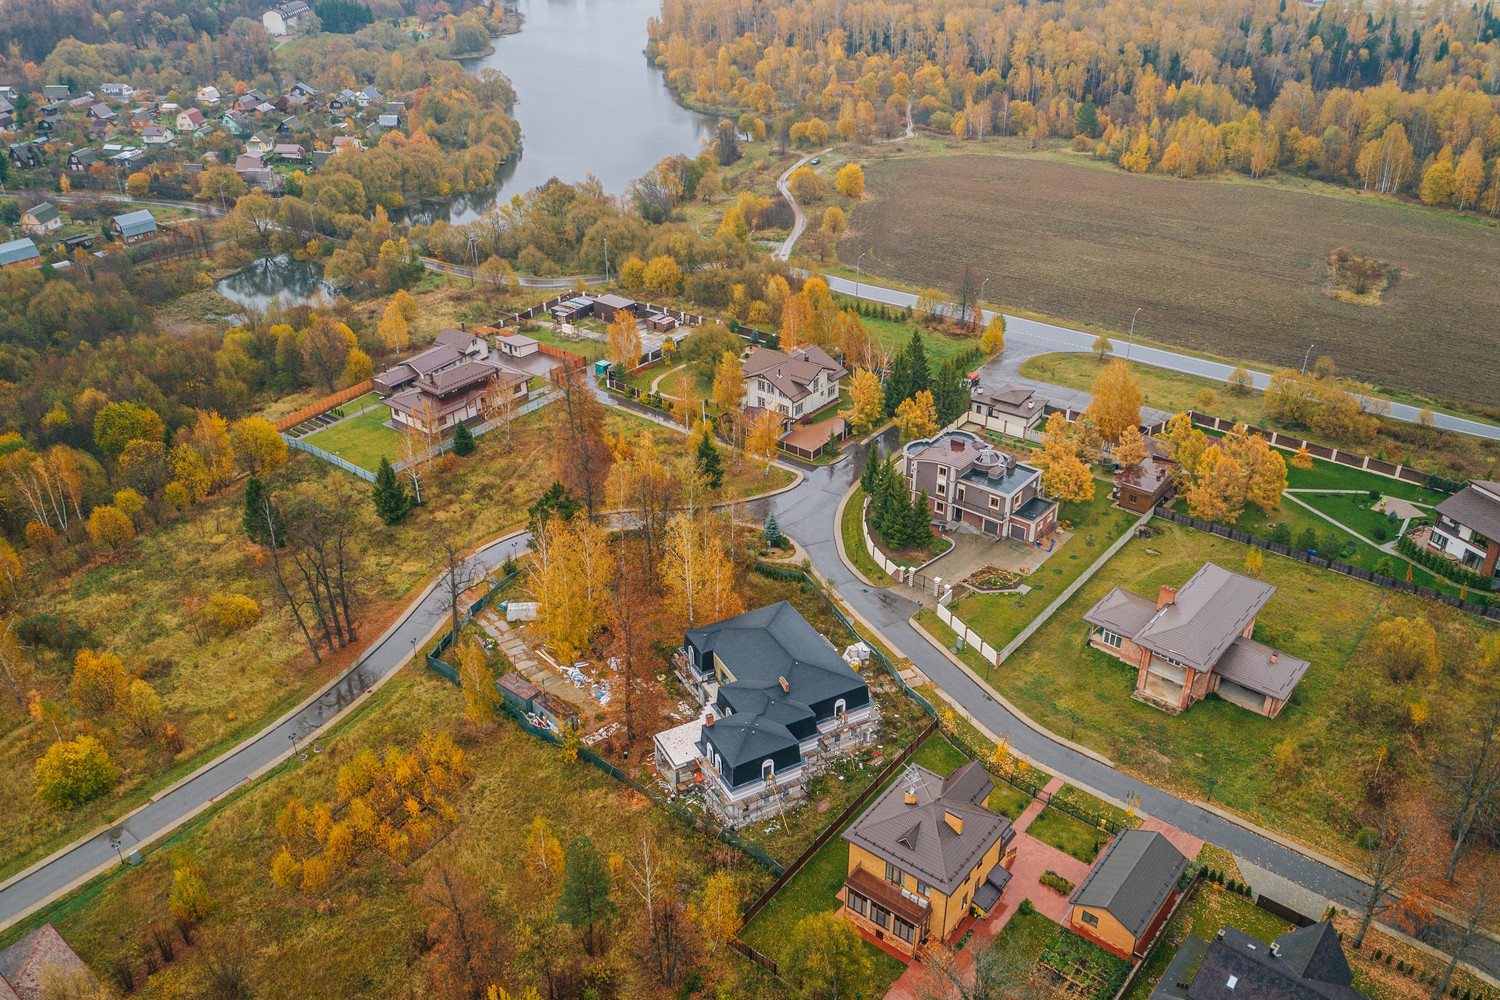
(971, 485)
(134, 227)
(41, 219)
(1012, 410)
(437, 403)
(1468, 527)
(782, 704)
(796, 384)
(926, 859)
(1194, 641)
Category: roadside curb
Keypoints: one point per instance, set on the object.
(838, 541)
(1005, 703)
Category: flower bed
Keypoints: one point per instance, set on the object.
(1055, 882)
(992, 579)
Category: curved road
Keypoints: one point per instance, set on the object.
(807, 514)
(799, 217)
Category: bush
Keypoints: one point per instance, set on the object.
(1381, 534)
(1423, 556)
(1055, 882)
(1026, 908)
(229, 613)
(72, 773)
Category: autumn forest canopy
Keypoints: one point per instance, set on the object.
(1393, 100)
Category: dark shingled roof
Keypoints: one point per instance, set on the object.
(1476, 508)
(1121, 611)
(1238, 966)
(1315, 953)
(1260, 668)
(740, 739)
(1210, 609)
(917, 838)
(760, 647)
(1133, 878)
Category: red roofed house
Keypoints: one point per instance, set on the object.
(1194, 641)
(39, 957)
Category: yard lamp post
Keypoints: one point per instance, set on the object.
(1131, 342)
(1306, 356)
(986, 281)
(856, 273)
(414, 654)
(114, 841)
(1212, 782)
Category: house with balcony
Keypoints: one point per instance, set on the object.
(782, 705)
(1467, 527)
(134, 227)
(1195, 640)
(795, 384)
(450, 348)
(1012, 410)
(926, 860)
(974, 487)
(1128, 894)
(438, 402)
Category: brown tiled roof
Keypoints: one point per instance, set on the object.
(1210, 609)
(792, 373)
(1013, 399)
(22, 964)
(1475, 508)
(1132, 879)
(1260, 668)
(917, 838)
(1121, 612)
(878, 890)
(1148, 475)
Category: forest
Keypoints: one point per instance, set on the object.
(1391, 100)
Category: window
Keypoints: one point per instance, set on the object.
(767, 769)
(881, 917)
(1089, 918)
(938, 507)
(960, 493)
(859, 904)
(840, 707)
(942, 488)
(994, 503)
(923, 889)
(799, 409)
(904, 930)
(1109, 638)
(893, 874)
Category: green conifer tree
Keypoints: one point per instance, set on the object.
(392, 502)
(709, 463)
(255, 517)
(463, 441)
(584, 903)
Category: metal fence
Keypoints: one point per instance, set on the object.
(1490, 611)
(329, 457)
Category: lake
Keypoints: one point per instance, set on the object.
(587, 99)
(271, 278)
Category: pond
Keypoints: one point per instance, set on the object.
(270, 279)
(588, 100)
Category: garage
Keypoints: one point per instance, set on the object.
(1242, 696)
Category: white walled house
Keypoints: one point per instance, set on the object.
(795, 385)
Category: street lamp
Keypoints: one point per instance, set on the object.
(114, 841)
(986, 281)
(856, 273)
(1131, 342)
(1306, 356)
(606, 260)
(414, 654)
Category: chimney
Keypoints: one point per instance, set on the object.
(911, 796)
(708, 719)
(955, 823)
(955, 445)
(1274, 655)
(785, 687)
(1167, 595)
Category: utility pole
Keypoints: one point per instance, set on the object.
(856, 273)
(1306, 356)
(606, 260)
(986, 281)
(1131, 342)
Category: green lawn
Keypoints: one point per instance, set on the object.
(814, 888)
(362, 440)
(894, 335)
(1354, 511)
(359, 403)
(1069, 835)
(1023, 937)
(1008, 801)
(1333, 476)
(854, 540)
(1342, 713)
(1001, 617)
(1202, 916)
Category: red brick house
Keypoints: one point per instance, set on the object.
(1195, 641)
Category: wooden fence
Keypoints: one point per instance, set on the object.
(324, 405)
(1490, 611)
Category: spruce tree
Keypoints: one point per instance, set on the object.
(773, 531)
(708, 460)
(392, 502)
(910, 374)
(950, 392)
(463, 441)
(557, 500)
(919, 521)
(254, 520)
(584, 903)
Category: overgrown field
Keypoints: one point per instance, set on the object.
(218, 689)
(1341, 716)
(1234, 269)
(368, 935)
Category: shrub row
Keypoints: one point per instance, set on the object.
(1441, 565)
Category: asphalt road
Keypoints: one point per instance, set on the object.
(167, 811)
(807, 514)
(1026, 338)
